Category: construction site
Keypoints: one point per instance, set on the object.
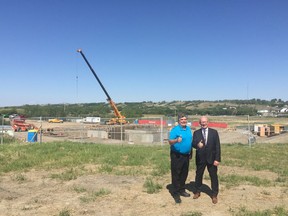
(147, 130)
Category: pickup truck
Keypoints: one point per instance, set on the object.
(55, 120)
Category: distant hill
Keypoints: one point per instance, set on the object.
(139, 109)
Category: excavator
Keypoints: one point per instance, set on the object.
(119, 118)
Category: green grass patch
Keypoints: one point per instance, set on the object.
(92, 196)
(6, 139)
(151, 187)
(57, 155)
(193, 213)
(137, 160)
(20, 178)
(64, 212)
(272, 157)
(279, 211)
(67, 175)
(79, 189)
(236, 180)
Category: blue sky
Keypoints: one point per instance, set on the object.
(142, 50)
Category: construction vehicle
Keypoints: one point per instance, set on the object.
(55, 120)
(119, 118)
(19, 125)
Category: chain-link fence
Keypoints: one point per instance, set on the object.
(94, 129)
(150, 131)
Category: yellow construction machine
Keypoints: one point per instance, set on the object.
(119, 118)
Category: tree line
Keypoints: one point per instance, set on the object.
(139, 109)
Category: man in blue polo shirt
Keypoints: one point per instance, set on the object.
(180, 140)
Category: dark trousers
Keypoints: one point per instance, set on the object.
(179, 171)
(213, 176)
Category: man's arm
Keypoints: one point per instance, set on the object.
(218, 148)
(173, 141)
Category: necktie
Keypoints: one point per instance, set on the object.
(204, 135)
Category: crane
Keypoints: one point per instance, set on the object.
(119, 118)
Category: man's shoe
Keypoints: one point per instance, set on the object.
(196, 195)
(214, 199)
(177, 200)
(184, 194)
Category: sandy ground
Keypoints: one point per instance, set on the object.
(36, 193)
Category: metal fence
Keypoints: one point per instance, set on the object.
(152, 131)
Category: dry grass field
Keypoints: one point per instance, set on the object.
(34, 192)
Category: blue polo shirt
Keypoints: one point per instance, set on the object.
(183, 147)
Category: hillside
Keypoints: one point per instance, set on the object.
(139, 109)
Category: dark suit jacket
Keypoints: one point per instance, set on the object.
(209, 152)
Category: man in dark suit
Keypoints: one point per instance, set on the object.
(208, 154)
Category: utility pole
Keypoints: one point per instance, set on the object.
(249, 136)
(40, 129)
(2, 132)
